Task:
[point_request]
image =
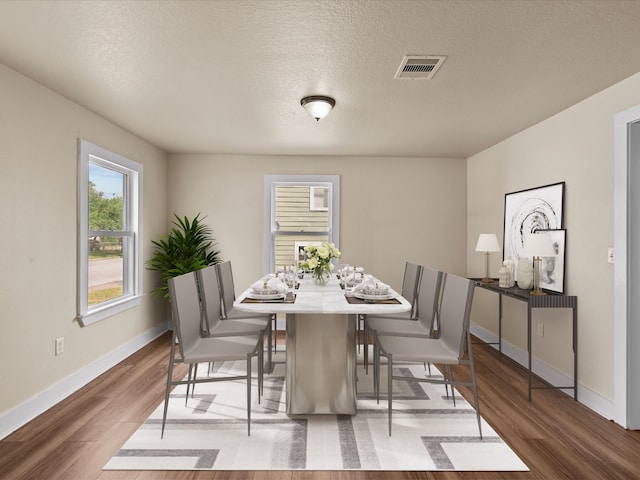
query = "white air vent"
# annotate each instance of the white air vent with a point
(420, 67)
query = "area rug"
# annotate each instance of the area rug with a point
(210, 432)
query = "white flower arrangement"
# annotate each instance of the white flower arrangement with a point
(319, 258)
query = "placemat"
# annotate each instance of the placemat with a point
(354, 300)
(276, 300)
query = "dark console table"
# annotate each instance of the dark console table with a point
(551, 300)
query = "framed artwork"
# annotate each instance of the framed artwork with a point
(552, 268)
(528, 211)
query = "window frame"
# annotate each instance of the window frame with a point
(88, 153)
(270, 182)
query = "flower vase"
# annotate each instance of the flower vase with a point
(321, 277)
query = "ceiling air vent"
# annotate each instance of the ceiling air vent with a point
(420, 67)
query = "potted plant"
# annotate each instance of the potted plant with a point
(187, 248)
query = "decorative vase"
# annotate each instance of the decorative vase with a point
(503, 277)
(322, 276)
(525, 274)
(508, 263)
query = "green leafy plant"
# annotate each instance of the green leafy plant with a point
(188, 247)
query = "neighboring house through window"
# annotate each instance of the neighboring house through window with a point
(319, 199)
(109, 233)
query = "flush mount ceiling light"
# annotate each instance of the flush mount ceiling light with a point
(318, 106)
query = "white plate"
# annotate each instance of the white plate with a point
(259, 296)
(364, 296)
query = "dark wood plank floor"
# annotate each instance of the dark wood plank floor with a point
(555, 436)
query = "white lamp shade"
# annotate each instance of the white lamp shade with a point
(487, 242)
(538, 245)
(318, 106)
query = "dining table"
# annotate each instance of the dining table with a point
(321, 322)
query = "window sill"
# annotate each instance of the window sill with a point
(109, 310)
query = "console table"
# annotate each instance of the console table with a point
(551, 300)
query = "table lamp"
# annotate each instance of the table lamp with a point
(487, 243)
(538, 245)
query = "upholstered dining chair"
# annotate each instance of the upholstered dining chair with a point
(228, 296)
(213, 326)
(428, 310)
(193, 348)
(410, 290)
(446, 350)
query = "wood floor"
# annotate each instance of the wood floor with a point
(556, 437)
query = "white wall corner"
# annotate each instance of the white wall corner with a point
(596, 402)
(18, 416)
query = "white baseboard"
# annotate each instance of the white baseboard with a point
(596, 402)
(18, 416)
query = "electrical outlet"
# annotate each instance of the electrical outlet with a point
(541, 329)
(610, 255)
(59, 346)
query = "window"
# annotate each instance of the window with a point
(299, 210)
(109, 233)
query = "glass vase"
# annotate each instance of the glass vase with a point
(321, 277)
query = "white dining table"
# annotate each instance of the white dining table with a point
(321, 346)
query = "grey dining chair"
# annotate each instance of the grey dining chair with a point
(213, 326)
(193, 349)
(428, 310)
(228, 296)
(447, 350)
(410, 290)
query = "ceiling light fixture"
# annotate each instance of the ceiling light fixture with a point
(318, 106)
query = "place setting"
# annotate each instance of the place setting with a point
(276, 287)
(366, 288)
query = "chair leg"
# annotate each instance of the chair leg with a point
(376, 368)
(358, 333)
(365, 347)
(474, 385)
(271, 340)
(189, 376)
(260, 369)
(193, 383)
(445, 377)
(390, 387)
(249, 355)
(453, 390)
(168, 389)
(275, 334)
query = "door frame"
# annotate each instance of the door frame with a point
(625, 397)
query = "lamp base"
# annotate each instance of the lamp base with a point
(487, 280)
(537, 291)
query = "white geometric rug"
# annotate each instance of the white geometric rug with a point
(210, 433)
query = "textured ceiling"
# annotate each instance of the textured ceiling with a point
(228, 76)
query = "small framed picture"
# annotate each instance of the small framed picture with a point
(552, 268)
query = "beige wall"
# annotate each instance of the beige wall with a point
(39, 131)
(392, 209)
(575, 146)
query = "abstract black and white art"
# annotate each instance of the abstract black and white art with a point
(528, 211)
